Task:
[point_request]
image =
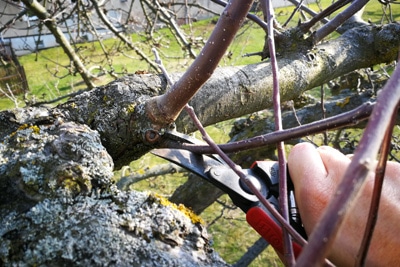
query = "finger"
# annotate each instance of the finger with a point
(335, 163)
(308, 174)
(304, 163)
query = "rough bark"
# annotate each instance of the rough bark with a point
(109, 229)
(59, 207)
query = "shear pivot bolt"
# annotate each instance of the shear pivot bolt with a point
(254, 181)
(216, 172)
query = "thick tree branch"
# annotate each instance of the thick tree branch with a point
(251, 86)
(117, 111)
(165, 109)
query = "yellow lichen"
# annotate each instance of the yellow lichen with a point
(185, 210)
(35, 129)
(131, 108)
(343, 103)
(141, 171)
(23, 127)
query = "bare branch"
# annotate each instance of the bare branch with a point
(349, 118)
(288, 253)
(121, 36)
(376, 194)
(161, 169)
(170, 21)
(12, 21)
(323, 236)
(41, 13)
(305, 27)
(166, 108)
(338, 20)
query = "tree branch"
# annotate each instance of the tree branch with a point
(361, 165)
(288, 254)
(165, 109)
(251, 86)
(121, 35)
(338, 20)
(117, 111)
(162, 169)
(50, 23)
(376, 194)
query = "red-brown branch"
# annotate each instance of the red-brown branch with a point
(376, 194)
(165, 109)
(322, 238)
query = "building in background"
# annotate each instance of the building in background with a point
(26, 34)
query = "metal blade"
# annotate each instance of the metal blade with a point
(174, 139)
(196, 163)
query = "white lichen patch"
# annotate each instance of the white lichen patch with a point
(108, 229)
(40, 160)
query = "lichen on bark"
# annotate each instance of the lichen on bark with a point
(38, 160)
(59, 207)
(111, 228)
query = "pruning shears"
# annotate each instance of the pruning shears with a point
(263, 174)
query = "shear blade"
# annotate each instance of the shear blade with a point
(196, 163)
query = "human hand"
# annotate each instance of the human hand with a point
(316, 174)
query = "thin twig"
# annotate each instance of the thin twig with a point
(323, 110)
(345, 119)
(161, 66)
(296, 9)
(120, 35)
(173, 25)
(306, 26)
(308, 10)
(54, 100)
(238, 170)
(10, 95)
(283, 194)
(376, 194)
(161, 169)
(338, 20)
(323, 236)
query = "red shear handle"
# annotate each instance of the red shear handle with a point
(269, 230)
